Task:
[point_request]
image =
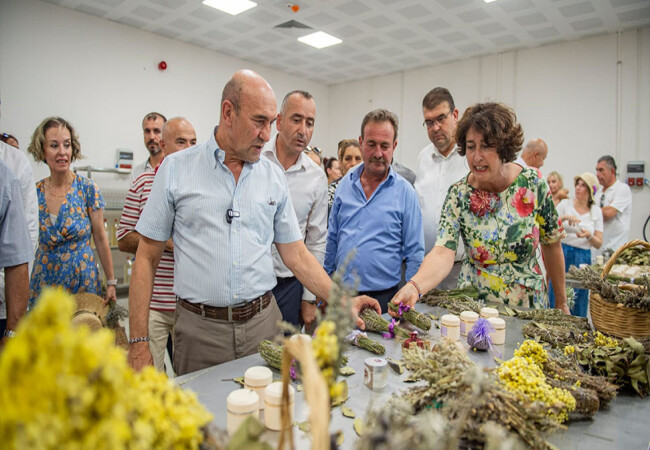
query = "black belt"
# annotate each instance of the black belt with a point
(238, 313)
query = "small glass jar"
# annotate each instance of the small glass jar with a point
(467, 321)
(272, 405)
(499, 334)
(240, 405)
(257, 378)
(488, 312)
(450, 327)
(375, 373)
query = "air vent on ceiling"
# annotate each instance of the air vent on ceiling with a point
(293, 24)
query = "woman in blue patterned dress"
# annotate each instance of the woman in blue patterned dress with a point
(503, 213)
(70, 209)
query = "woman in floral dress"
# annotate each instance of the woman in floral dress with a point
(70, 209)
(503, 213)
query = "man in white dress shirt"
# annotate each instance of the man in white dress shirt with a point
(439, 166)
(615, 199)
(308, 187)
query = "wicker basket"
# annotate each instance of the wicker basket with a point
(614, 318)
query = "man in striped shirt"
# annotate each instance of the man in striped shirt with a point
(177, 134)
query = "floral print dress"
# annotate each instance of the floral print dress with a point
(64, 257)
(502, 233)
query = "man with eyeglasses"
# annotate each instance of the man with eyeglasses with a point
(308, 187)
(615, 199)
(439, 166)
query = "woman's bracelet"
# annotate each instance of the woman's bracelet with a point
(111, 282)
(416, 287)
(140, 339)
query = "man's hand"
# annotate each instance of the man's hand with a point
(408, 295)
(111, 296)
(169, 245)
(139, 356)
(359, 304)
(308, 313)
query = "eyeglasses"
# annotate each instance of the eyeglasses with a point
(430, 123)
(316, 150)
(602, 201)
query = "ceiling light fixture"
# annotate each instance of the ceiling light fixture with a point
(319, 39)
(489, 1)
(232, 7)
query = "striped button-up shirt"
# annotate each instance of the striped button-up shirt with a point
(219, 263)
(163, 298)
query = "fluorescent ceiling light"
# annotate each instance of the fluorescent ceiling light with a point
(232, 7)
(320, 39)
(489, 1)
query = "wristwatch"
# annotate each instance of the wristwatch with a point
(9, 333)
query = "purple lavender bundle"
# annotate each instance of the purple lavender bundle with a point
(478, 337)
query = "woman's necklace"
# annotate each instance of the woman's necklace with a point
(57, 195)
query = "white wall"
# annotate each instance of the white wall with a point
(103, 77)
(574, 95)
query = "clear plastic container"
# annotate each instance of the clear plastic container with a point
(375, 373)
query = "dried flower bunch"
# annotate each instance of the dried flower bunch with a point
(609, 292)
(455, 300)
(67, 387)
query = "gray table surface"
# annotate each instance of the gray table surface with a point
(625, 424)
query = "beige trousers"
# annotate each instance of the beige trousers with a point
(201, 342)
(161, 324)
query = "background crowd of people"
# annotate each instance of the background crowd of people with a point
(475, 212)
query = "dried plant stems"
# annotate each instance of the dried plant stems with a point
(411, 315)
(374, 322)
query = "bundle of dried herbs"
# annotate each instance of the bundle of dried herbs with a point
(455, 300)
(375, 322)
(411, 315)
(635, 298)
(452, 383)
(555, 317)
(634, 256)
(556, 335)
(361, 340)
(271, 353)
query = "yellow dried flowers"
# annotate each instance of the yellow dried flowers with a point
(523, 376)
(66, 387)
(326, 350)
(604, 341)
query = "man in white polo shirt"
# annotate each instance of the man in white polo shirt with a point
(615, 199)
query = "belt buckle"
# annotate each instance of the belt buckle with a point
(229, 313)
(202, 308)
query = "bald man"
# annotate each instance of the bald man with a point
(533, 154)
(177, 134)
(224, 208)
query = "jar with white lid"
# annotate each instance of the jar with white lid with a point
(272, 405)
(240, 405)
(488, 312)
(499, 334)
(467, 321)
(450, 327)
(303, 337)
(375, 373)
(257, 378)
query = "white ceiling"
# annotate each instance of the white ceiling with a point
(379, 36)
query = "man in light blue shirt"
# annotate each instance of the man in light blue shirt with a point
(376, 213)
(223, 207)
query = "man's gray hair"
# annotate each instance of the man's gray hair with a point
(609, 161)
(306, 95)
(379, 116)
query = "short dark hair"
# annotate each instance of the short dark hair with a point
(436, 96)
(327, 163)
(498, 125)
(306, 95)
(609, 161)
(153, 115)
(381, 115)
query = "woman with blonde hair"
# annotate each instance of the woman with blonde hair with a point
(70, 210)
(556, 186)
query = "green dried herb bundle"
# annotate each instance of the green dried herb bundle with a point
(115, 314)
(411, 315)
(362, 341)
(556, 317)
(375, 322)
(455, 300)
(634, 256)
(556, 335)
(271, 353)
(452, 383)
(636, 298)
(587, 403)
(623, 362)
(572, 375)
